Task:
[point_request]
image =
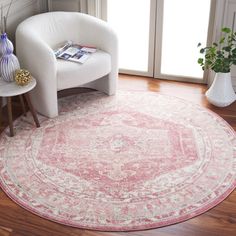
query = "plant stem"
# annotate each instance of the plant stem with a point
(8, 10)
(2, 19)
(6, 17)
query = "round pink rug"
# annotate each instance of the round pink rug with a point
(127, 162)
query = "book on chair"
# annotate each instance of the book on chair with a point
(74, 52)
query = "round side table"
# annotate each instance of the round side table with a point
(11, 89)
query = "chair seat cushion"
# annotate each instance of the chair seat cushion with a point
(72, 74)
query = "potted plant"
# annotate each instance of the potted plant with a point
(220, 57)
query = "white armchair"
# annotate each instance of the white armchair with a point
(36, 38)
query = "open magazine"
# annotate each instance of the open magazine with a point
(74, 52)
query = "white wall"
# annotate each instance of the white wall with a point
(229, 20)
(20, 10)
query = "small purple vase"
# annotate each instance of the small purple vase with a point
(8, 62)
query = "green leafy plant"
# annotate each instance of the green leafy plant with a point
(220, 56)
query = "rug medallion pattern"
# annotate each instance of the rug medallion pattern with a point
(126, 162)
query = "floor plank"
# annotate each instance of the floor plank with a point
(219, 221)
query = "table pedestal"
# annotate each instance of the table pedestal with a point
(9, 111)
(9, 90)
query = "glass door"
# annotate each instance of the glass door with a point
(159, 38)
(134, 22)
(181, 24)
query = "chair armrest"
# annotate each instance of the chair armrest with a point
(98, 33)
(35, 55)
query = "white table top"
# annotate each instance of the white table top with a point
(9, 89)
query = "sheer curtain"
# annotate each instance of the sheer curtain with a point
(95, 7)
(68, 5)
(91, 7)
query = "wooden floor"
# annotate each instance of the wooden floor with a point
(220, 221)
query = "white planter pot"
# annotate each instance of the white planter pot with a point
(221, 92)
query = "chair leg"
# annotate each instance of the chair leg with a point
(22, 104)
(10, 120)
(27, 97)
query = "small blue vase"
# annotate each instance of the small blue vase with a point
(8, 62)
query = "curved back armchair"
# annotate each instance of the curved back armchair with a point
(36, 38)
